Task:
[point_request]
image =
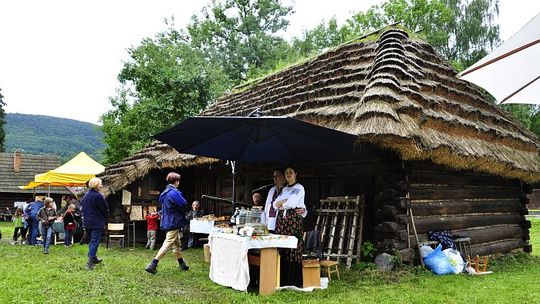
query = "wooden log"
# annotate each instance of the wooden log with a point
(452, 179)
(438, 193)
(381, 200)
(527, 248)
(341, 199)
(450, 207)
(524, 199)
(425, 224)
(503, 246)
(388, 213)
(403, 186)
(398, 235)
(403, 218)
(527, 188)
(526, 224)
(482, 234)
(389, 227)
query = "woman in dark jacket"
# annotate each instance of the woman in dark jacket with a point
(95, 211)
(47, 216)
(174, 207)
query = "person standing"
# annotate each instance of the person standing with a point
(289, 222)
(70, 224)
(270, 213)
(95, 212)
(152, 226)
(32, 211)
(18, 224)
(47, 216)
(194, 213)
(174, 207)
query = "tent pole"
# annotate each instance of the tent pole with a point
(49, 191)
(233, 163)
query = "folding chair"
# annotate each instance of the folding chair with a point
(115, 231)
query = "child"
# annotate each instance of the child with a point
(69, 225)
(19, 226)
(152, 225)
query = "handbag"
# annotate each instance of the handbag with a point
(58, 226)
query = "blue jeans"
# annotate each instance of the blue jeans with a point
(95, 238)
(46, 234)
(34, 224)
(68, 235)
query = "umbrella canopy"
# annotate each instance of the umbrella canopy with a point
(75, 172)
(257, 139)
(511, 73)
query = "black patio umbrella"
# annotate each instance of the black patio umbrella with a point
(257, 140)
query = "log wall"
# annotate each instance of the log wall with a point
(488, 209)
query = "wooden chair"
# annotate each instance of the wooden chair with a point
(329, 267)
(326, 265)
(479, 263)
(115, 231)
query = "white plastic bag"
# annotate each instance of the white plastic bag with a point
(455, 260)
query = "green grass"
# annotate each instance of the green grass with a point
(28, 276)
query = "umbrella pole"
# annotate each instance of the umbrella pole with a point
(233, 163)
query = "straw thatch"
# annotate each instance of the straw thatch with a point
(393, 91)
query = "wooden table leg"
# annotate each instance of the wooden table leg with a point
(269, 271)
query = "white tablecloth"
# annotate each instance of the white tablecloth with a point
(201, 226)
(229, 264)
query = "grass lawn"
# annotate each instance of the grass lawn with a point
(28, 276)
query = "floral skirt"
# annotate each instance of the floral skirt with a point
(291, 225)
(291, 263)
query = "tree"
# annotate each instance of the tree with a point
(463, 31)
(2, 123)
(165, 81)
(241, 35)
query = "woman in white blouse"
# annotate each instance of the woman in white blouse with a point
(289, 222)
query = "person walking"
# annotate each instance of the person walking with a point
(32, 211)
(174, 208)
(47, 216)
(95, 212)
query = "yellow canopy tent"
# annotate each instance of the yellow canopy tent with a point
(75, 172)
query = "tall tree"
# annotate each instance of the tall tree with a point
(165, 81)
(463, 31)
(2, 123)
(241, 35)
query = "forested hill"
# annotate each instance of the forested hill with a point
(38, 134)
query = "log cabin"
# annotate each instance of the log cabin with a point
(427, 142)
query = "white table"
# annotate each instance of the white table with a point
(229, 264)
(201, 226)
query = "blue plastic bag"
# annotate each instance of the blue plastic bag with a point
(438, 262)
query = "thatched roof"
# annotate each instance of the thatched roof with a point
(393, 91)
(30, 165)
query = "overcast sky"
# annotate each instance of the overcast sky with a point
(61, 57)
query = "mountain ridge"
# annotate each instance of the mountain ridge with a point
(41, 134)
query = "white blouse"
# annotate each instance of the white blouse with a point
(294, 196)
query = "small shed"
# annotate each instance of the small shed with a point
(425, 139)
